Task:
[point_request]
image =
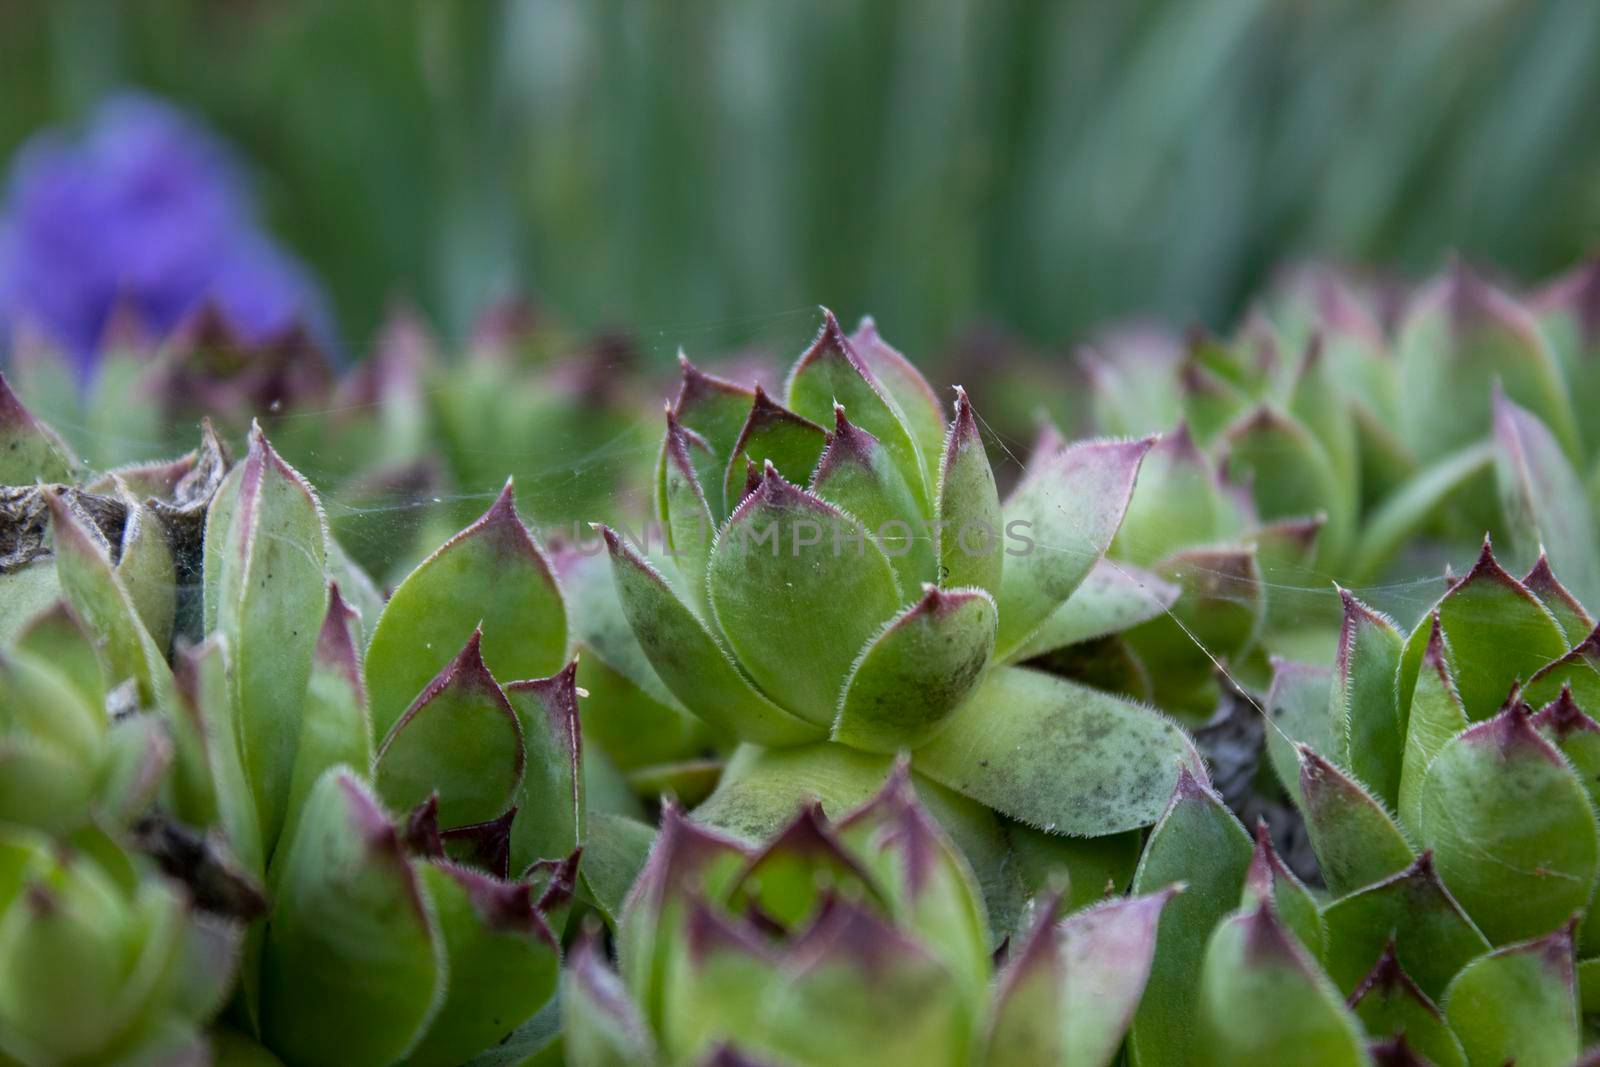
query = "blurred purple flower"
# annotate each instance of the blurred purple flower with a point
(149, 209)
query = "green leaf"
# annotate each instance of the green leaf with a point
(1027, 1024)
(138, 758)
(601, 1025)
(1297, 714)
(492, 575)
(1542, 498)
(1497, 632)
(1199, 844)
(772, 434)
(1176, 503)
(1058, 755)
(715, 411)
(1269, 881)
(1578, 670)
(1094, 869)
(1355, 839)
(1519, 1004)
(1133, 380)
(55, 636)
(334, 728)
(928, 886)
(781, 567)
(971, 551)
(1215, 619)
(1389, 1003)
(797, 869)
(1436, 716)
(900, 380)
(1209, 402)
(1576, 735)
(1064, 514)
(1320, 401)
(690, 526)
(1460, 337)
(44, 788)
(1433, 937)
(1576, 623)
(94, 591)
(856, 971)
(1290, 475)
(690, 662)
(857, 475)
(29, 450)
(39, 704)
(360, 592)
(1113, 598)
(1295, 1015)
(1071, 987)
(1286, 555)
(74, 937)
(1109, 951)
(1511, 827)
(145, 565)
(1363, 699)
(550, 799)
(501, 957)
(629, 713)
(686, 860)
(461, 739)
(1413, 504)
(913, 675)
(1386, 462)
(614, 852)
(353, 970)
(206, 697)
(720, 973)
(1589, 985)
(229, 1048)
(761, 789)
(265, 576)
(689, 781)
(831, 372)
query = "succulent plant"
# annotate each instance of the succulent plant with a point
(103, 959)
(407, 445)
(196, 811)
(847, 941)
(845, 583)
(1455, 831)
(1329, 442)
(253, 811)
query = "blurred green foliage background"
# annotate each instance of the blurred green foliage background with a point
(700, 170)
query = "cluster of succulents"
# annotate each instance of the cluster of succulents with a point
(406, 445)
(279, 817)
(846, 941)
(839, 754)
(1351, 433)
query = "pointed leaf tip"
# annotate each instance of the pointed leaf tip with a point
(335, 644)
(1563, 718)
(492, 577)
(460, 736)
(422, 836)
(1394, 1052)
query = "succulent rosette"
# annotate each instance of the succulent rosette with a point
(407, 445)
(203, 799)
(1446, 778)
(845, 583)
(1334, 437)
(846, 941)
